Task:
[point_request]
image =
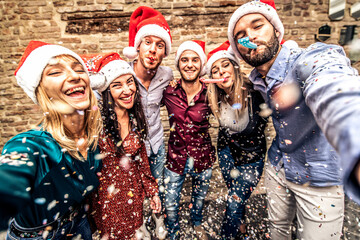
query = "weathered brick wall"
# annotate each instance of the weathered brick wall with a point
(90, 26)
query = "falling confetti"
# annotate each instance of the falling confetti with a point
(51, 205)
(234, 173)
(191, 162)
(80, 142)
(40, 201)
(125, 162)
(286, 96)
(236, 106)
(80, 112)
(265, 110)
(99, 156)
(167, 180)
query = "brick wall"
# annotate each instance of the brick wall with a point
(90, 26)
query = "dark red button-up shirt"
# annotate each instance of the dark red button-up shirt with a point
(189, 130)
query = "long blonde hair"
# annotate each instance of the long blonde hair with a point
(52, 123)
(239, 89)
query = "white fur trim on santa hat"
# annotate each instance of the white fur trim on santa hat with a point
(190, 45)
(216, 56)
(254, 7)
(148, 30)
(29, 75)
(112, 71)
(290, 44)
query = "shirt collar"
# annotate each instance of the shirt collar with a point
(203, 86)
(277, 71)
(279, 68)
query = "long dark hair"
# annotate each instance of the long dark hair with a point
(137, 117)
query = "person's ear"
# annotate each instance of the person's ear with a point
(138, 47)
(277, 33)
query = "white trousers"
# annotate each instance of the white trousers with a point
(319, 210)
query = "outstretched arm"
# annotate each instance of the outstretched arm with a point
(17, 171)
(332, 91)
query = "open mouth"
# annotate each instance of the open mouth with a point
(151, 59)
(75, 91)
(127, 99)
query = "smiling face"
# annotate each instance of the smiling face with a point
(65, 80)
(151, 52)
(260, 31)
(223, 68)
(189, 66)
(123, 90)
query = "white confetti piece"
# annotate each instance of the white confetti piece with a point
(40, 201)
(51, 205)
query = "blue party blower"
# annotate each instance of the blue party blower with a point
(246, 43)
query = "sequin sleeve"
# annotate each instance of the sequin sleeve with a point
(17, 174)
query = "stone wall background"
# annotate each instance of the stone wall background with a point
(91, 26)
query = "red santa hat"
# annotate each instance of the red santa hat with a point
(266, 8)
(223, 51)
(36, 57)
(146, 21)
(198, 47)
(105, 68)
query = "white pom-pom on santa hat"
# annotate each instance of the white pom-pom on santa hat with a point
(130, 52)
(290, 44)
(97, 81)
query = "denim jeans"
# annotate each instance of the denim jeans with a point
(157, 163)
(241, 181)
(79, 226)
(200, 186)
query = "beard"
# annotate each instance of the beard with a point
(271, 49)
(186, 79)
